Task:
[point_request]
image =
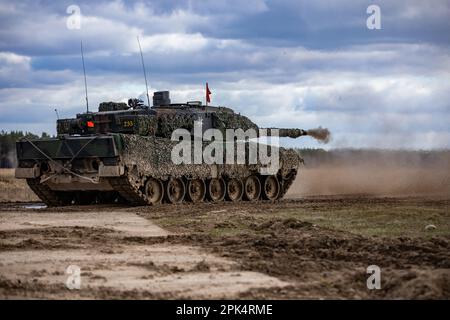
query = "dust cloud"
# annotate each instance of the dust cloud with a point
(378, 173)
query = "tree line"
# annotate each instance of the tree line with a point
(8, 146)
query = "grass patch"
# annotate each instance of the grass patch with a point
(382, 217)
(379, 220)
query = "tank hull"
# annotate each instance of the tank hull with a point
(139, 170)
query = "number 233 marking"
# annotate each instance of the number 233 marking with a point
(127, 123)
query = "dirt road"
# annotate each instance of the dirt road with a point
(312, 248)
(37, 247)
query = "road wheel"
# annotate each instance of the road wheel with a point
(216, 189)
(196, 190)
(252, 188)
(235, 190)
(271, 188)
(175, 190)
(154, 190)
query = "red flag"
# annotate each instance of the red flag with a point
(208, 99)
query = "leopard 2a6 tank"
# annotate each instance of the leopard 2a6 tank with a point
(124, 152)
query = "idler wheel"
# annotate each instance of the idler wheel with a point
(196, 190)
(175, 190)
(235, 189)
(216, 189)
(271, 188)
(252, 188)
(154, 191)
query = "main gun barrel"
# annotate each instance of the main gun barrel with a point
(291, 133)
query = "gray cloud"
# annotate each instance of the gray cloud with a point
(284, 63)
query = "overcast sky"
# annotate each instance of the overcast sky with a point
(287, 63)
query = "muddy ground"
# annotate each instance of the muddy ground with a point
(336, 221)
(315, 247)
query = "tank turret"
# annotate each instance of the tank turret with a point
(161, 119)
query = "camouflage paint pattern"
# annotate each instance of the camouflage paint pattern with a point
(152, 156)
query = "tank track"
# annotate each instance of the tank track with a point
(126, 190)
(287, 182)
(48, 196)
(132, 194)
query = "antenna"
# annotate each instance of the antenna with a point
(57, 114)
(85, 82)
(143, 68)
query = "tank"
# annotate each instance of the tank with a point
(125, 152)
